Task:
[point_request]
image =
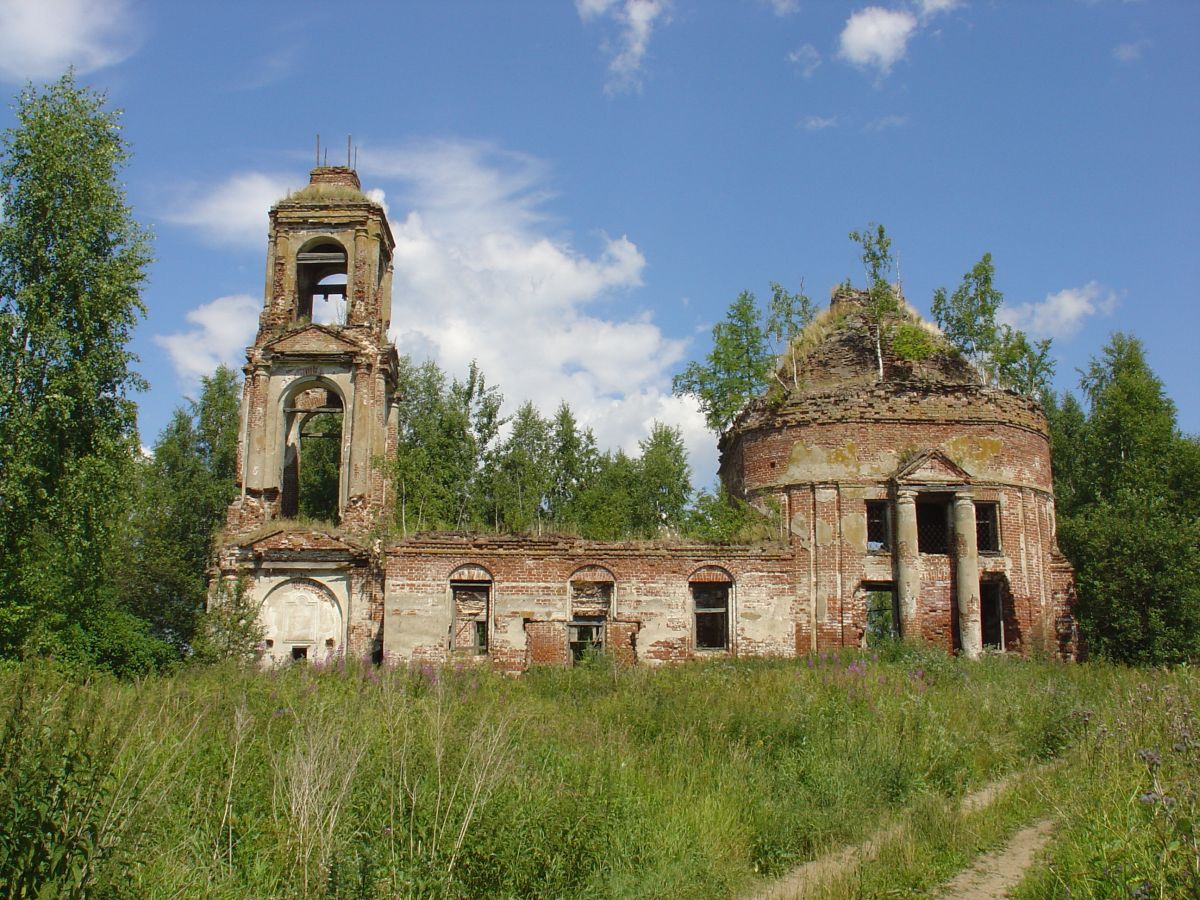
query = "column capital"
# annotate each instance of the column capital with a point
(964, 497)
(906, 495)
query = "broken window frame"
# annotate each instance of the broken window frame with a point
(934, 536)
(477, 625)
(586, 636)
(711, 612)
(591, 606)
(879, 526)
(987, 526)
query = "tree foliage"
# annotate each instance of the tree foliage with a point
(72, 263)
(736, 368)
(1004, 354)
(458, 467)
(183, 492)
(1128, 487)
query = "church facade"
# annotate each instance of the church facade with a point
(912, 499)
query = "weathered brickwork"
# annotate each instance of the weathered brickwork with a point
(918, 503)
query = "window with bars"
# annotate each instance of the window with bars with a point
(987, 527)
(933, 526)
(879, 526)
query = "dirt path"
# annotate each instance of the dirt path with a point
(994, 875)
(805, 878)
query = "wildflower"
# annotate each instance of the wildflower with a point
(1150, 757)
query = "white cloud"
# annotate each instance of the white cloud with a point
(223, 329)
(931, 8)
(819, 123)
(783, 7)
(1131, 52)
(481, 273)
(234, 211)
(885, 122)
(39, 39)
(636, 20)
(876, 37)
(1061, 314)
(806, 58)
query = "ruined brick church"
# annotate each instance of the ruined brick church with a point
(912, 499)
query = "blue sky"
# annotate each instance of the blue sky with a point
(579, 189)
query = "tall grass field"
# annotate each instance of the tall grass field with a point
(701, 780)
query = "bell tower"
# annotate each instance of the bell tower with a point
(317, 415)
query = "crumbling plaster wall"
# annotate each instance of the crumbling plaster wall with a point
(833, 454)
(651, 618)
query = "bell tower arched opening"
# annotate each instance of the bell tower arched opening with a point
(321, 276)
(312, 463)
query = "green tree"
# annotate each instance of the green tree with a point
(968, 316)
(72, 263)
(520, 475)
(1020, 364)
(1129, 481)
(575, 461)
(445, 431)
(1004, 354)
(606, 507)
(320, 466)
(183, 492)
(720, 518)
(789, 315)
(663, 483)
(883, 303)
(735, 370)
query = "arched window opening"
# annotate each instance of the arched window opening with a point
(313, 456)
(591, 591)
(471, 589)
(710, 588)
(321, 284)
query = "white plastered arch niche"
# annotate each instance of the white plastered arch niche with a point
(303, 618)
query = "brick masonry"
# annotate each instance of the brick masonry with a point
(818, 453)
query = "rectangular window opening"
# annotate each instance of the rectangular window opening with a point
(471, 608)
(883, 614)
(991, 613)
(585, 636)
(879, 526)
(933, 526)
(299, 653)
(711, 602)
(987, 527)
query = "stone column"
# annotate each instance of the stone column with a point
(908, 564)
(966, 573)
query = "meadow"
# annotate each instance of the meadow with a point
(700, 780)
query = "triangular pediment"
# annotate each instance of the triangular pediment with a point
(287, 540)
(312, 340)
(931, 467)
